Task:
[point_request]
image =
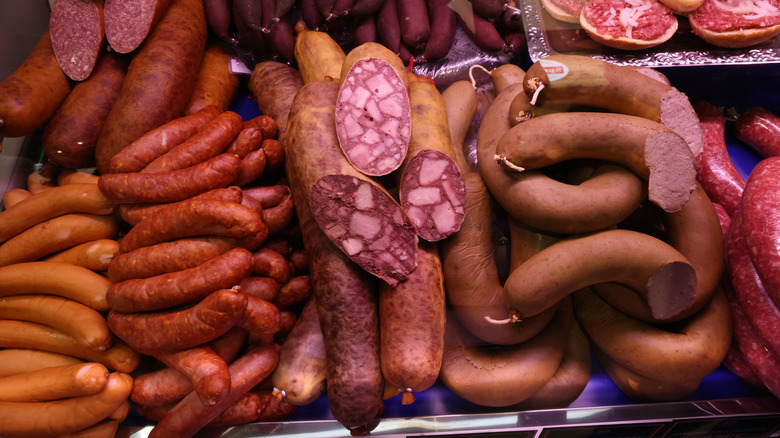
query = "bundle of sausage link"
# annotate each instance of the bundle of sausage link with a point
(747, 210)
(206, 280)
(62, 371)
(419, 30)
(602, 206)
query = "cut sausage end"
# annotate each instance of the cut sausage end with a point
(678, 114)
(671, 289)
(672, 170)
(77, 36)
(367, 225)
(373, 117)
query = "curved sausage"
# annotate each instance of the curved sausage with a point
(216, 84)
(95, 255)
(759, 128)
(62, 279)
(133, 213)
(24, 360)
(54, 383)
(318, 56)
(273, 86)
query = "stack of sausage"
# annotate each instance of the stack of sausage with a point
(62, 370)
(202, 281)
(748, 216)
(602, 206)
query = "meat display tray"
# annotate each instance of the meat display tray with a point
(548, 36)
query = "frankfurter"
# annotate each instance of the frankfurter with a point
(160, 140)
(64, 416)
(57, 234)
(86, 325)
(693, 350)
(606, 85)
(411, 354)
(344, 292)
(23, 334)
(103, 429)
(431, 189)
(13, 196)
(193, 217)
(48, 204)
(299, 377)
(177, 329)
(154, 93)
(651, 150)
(32, 93)
(207, 143)
(43, 179)
(61, 279)
(23, 360)
(54, 383)
(610, 196)
(507, 375)
(71, 135)
(190, 415)
(216, 84)
(181, 287)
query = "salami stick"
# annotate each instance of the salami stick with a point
(77, 35)
(345, 294)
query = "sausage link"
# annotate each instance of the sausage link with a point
(178, 329)
(216, 84)
(204, 368)
(269, 263)
(265, 288)
(134, 213)
(297, 290)
(54, 383)
(274, 85)
(759, 128)
(62, 279)
(95, 255)
(260, 317)
(24, 360)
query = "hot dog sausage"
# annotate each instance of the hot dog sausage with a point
(86, 325)
(23, 334)
(33, 92)
(54, 383)
(24, 360)
(95, 255)
(180, 328)
(154, 93)
(62, 279)
(181, 287)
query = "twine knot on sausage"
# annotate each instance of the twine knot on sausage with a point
(502, 159)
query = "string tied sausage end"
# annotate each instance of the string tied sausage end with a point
(502, 159)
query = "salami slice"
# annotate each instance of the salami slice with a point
(366, 224)
(77, 35)
(373, 120)
(128, 22)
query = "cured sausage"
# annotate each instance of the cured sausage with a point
(194, 217)
(154, 92)
(344, 292)
(299, 377)
(507, 375)
(759, 128)
(693, 350)
(760, 220)
(253, 165)
(248, 140)
(265, 123)
(651, 150)
(265, 288)
(48, 204)
(86, 325)
(160, 140)
(207, 143)
(620, 89)
(411, 354)
(414, 23)
(71, 135)
(23, 334)
(373, 117)
(77, 36)
(260, 318)
(181, 287)
(269, 263)
(663, 275)
(54, 383)
(216, 84)
(180, 328)
(716, 172)
(294, 292)
(190, 415)
(128, 23)
(64, 416)
(274, 85)
(32, 93)
(431, 189)
(177, 255)
(134, 213)
(52, 278)
(533, 198)
(755, 301)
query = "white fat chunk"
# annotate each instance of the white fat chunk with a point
(352, 127)
(390, 127)
(431, 171)
(443, 217)
(364, 197)
(371, 137)
(424, 196)
(360, 97)
(449, 191)
(391, 107)
(379, 86)
(373, 110)
(417, 216)
(364, 225)
(352, 246)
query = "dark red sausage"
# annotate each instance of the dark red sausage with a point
(414, 22)
(179, 329)
(274, 85)
(716, 172)
(482, 32)
(133, 213)
(248, 140)
(388, 26)
(181, 287)
(129, 22)
(294, 292)
(203, 367)
(269, 263)
(190, 415)
(253, 165)
(444, 21)
(155, 92)
(260, 317)
(71, 135)
(265, 288)
(759, 128)
(77, 48)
